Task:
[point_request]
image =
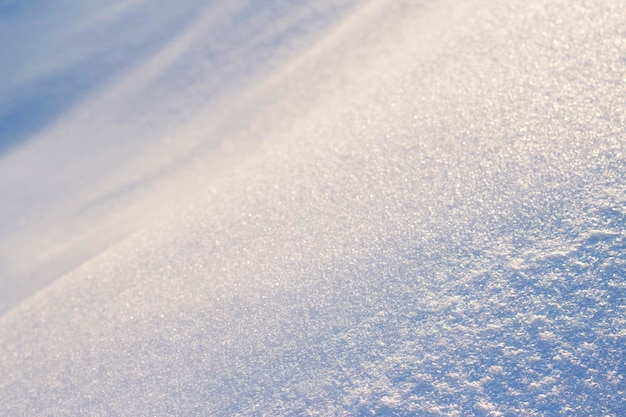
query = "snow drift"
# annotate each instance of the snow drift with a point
(417, 209)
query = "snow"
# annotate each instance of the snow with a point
(405, 209)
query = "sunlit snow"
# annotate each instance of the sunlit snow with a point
(390, 208)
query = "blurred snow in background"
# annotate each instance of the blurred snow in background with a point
(101, 100)
(326, 208)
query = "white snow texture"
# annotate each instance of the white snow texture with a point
(350, 208)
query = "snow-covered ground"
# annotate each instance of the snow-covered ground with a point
(327, 208)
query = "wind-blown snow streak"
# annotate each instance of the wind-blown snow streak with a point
(433, 223)
(107, 100)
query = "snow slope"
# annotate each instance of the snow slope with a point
(421, 211)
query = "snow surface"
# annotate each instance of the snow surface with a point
(383, 208)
